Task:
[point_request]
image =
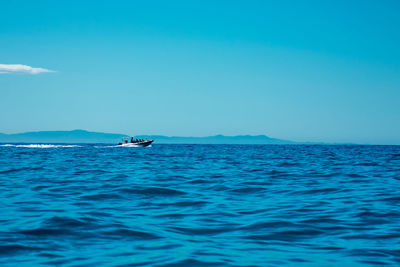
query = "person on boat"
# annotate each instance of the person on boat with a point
(131, 139)
(126, 141)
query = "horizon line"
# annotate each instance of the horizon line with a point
(216, 135)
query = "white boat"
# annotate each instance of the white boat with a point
(135, 143)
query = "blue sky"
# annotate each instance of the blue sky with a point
(299, 70)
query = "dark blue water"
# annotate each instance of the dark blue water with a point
(200, 205)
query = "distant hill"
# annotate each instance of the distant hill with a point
(75, 136)
(82, 136)
(217, 139)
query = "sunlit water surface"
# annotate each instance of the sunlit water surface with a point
(200, 205)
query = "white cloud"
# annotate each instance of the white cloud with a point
(19, 68)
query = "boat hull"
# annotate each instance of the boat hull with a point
(137, 144)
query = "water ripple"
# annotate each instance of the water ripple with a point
(199, 205)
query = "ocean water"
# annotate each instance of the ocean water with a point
(199, 205)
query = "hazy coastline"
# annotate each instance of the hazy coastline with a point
(82, 136)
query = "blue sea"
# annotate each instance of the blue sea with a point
(200, 205)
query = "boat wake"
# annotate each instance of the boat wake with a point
(39, 146)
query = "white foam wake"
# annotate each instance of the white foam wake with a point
(39, 146)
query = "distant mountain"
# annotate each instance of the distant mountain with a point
(75, 136)
(82, 136)
(217, 139)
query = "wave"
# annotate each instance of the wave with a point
(15, 248)
(225, 205)
(152, 191)
(39, 146)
